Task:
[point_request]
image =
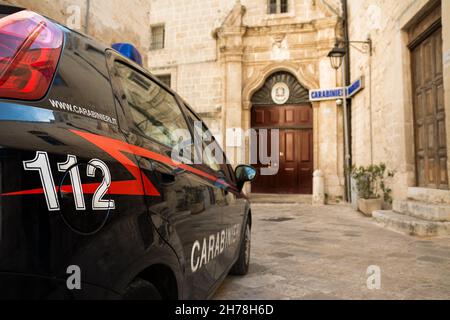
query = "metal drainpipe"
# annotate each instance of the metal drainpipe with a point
(88, 9)
(348, 133)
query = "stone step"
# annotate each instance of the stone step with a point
(424, 211)
(280, 198)
(411, 225)
(429, 195)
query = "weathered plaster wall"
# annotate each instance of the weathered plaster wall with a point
(382, 121)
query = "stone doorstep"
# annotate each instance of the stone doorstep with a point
(411, 225)
(429, 195)
(421, 210)
(280, 198)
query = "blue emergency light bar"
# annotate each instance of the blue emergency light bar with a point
(129, 51)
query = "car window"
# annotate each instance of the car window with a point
(154, 110)
(230, 173)
(212, 160)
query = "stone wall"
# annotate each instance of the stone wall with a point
(382, 121)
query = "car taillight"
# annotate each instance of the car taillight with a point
(30, 47)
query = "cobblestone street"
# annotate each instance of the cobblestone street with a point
(301, 252)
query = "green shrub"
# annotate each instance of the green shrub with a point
(371, 182)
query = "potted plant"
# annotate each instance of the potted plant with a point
(371, 186)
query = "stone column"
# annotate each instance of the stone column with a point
(233, 97)
(318, 189)
(230, 42)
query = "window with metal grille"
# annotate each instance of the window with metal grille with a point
(166, 79)
(272, 6)
(157, 37)
(284, 7)
(278, 6)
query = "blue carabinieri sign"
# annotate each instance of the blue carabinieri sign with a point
(326, 94)
(355, 87)
(336, 93)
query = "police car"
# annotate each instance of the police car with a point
(93, 204)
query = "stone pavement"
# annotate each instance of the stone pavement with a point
(301, 252)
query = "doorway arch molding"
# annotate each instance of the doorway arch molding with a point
(259, 78)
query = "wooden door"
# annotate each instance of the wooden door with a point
(295, 163)
(429, 111)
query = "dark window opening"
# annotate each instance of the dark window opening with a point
(284, 6)
(272, 6)
(278, 6)
(166, 79)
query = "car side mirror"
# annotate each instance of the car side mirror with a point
(245, 174)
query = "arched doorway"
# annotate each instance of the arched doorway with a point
(283, 104)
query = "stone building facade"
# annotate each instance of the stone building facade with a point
(220, 54)
(402, 117)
